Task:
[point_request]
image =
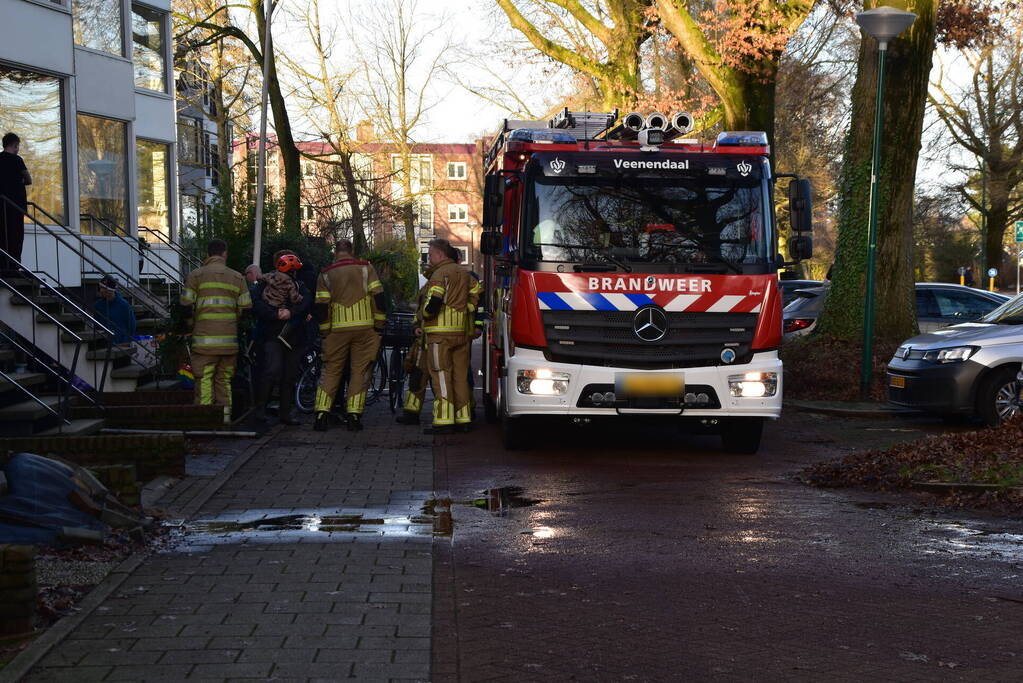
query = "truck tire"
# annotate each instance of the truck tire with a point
(998, 396)
(515, 435)
(490, 409)
(742, 435)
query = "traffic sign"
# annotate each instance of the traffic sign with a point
(1019, 231)
(992, 272)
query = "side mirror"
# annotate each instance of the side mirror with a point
(801, 205)
(490, 242)
(493, 201)
(801, 246)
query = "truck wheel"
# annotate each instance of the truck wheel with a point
(490, 409)
(998, 397)
(515, 434)
(742, 435)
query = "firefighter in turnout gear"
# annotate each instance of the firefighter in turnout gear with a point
(447, 323)
(219, 296)
(416, 366)
(350, 306)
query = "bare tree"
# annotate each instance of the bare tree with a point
(985, 118)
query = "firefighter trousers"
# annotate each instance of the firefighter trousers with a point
(213, 378)
(448, 357)
(361, 347)
(418, 376)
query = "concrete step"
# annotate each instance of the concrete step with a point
(116, 352)
(42, 301)
(133, 371)
(169, 384)
(83, 427)
(7, 355)
(29, 411)
(25, 379)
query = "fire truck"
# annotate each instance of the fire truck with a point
(632, 271)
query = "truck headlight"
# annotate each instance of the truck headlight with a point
(542, 382)
(753, 385)
(953, 354)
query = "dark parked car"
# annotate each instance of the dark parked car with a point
(790, 287)
(938, 305)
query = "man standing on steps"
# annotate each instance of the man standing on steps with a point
(350, 306)
(446, 313)
(14, 178)
(220, 295)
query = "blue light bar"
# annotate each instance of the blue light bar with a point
(742, 138)
(559, 137)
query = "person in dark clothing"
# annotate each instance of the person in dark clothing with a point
(14, 179)
(113, 311)
(282, 341)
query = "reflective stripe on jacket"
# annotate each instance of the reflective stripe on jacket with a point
(451, 283)
(348, 287)
(219, 295)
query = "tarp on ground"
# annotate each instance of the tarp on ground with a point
(38, 504)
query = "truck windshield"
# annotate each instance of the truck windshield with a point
(648, 220)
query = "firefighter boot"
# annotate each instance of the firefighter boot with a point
(407, 417)
(322, 422)
(354, 422)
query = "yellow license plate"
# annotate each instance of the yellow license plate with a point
(897, 382)
(651, 385)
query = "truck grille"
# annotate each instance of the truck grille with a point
(607, 338)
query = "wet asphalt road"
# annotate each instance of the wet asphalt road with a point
(654, 556)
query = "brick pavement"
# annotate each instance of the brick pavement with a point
(313, 599)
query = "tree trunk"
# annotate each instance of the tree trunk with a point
(997, 220)
(749, 101)
(909, 65)
(354, 207)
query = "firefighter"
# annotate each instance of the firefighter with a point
(350, 305)
(416, 366)
(219, 296)
(446, 324)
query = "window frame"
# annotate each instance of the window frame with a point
(123, 54)
(167, 55)
(171, 200)
(464, 166)
(459, 208)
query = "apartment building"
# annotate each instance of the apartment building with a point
(87, 85)
(444, 182)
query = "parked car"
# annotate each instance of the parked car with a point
(969, 369)
(790, 287)
(938, 305)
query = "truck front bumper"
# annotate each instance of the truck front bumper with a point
(584, 380)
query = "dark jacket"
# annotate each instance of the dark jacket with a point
(268, 327)
(118, 315)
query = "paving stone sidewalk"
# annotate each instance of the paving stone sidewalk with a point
(313, 562)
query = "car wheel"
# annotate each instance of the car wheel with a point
(742, 435)
(515, 434)
(998, 397)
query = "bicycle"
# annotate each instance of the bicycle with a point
(382, 373)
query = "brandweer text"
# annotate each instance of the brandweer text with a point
(635, 284)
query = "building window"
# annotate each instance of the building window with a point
(147, 48)
(310, 214)
(97, 25)
(188, 141)
(307, 169)
(153, 162)
(458, 213)
(32, 109)
(456, 170)
(103, 172)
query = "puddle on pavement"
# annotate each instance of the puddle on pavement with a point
(501, 501)
(960, 539)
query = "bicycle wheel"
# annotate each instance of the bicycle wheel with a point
(378, 377)
(305, 388)
(396, 378)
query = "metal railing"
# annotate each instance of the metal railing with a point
(170, 273)
(191, 259)
(151, 304)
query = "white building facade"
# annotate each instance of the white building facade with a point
(88, 87)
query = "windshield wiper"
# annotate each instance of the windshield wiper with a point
(611, 259)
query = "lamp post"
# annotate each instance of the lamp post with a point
(883, 24)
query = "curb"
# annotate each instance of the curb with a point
(22, 664)
(827, 409)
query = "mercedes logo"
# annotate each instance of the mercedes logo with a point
(650, 324)
(906, 352)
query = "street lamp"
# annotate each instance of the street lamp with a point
(883, 23)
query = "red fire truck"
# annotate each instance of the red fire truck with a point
(632, 271)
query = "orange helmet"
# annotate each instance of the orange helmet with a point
(288, 263)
